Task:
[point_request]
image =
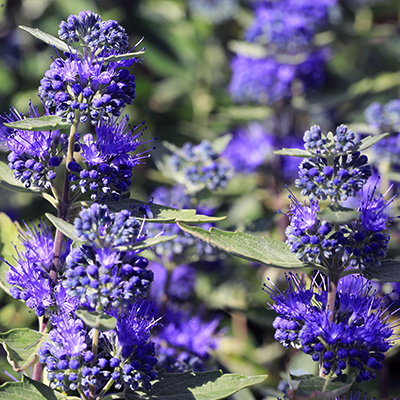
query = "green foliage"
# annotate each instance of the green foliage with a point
(29, 389)
(21, 345)
(8, 237)
(310, 387)
(46, 123)
(163, 214)
(212, 385)
(253, 248)
(337, 214)
(99, 320)
(386, 271)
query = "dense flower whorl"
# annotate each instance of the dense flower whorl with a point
(198, 167)
(99, 273)
(358, 336)
(88, 87)
(94, 33)
(259, 145)
(272, 80)
(184, 341)
(109, 160)
(125, 355)
(34, 155)
(29, 277)
(341, 177)
(288, 24)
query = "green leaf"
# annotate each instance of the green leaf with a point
(65, 227)
(121, 57)
(162, 214)
(149, 242)
(212, 385)
(47, 38)
(387, 271)
(295, 153)
(8, 235)
(253, 248)
(8, 181)
(21, 345)
(219, 144)
(98, 320)
(28, 389)
(310, 387)
(46, 123)
(369, 141)
(336, 214)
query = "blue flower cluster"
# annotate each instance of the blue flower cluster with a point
(108, 159)
(185, 341)
(198, 167)
(386, 118)
(280, 53)
(341, 178)
(288, 24)
(90, 85)
(98, 272)
(29, 276)
(124, 355)
(272, 79)
(357, 337)
(88, 28)
(257, 142)
(33, 155)
(359, 244)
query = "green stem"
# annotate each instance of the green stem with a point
(64, 205)
(81, 392)
(95, 348)
(106, 388)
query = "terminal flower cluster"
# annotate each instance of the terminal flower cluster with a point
(358, 335)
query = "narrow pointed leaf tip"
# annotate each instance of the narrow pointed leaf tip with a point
(258, 249)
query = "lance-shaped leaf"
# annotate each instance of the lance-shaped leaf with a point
(8, 181)
(309, 387)
(146, 243)
(336, 214)
(259, 249)
(47, 38)
(212, 385)
(122, 57)
(8, 235)
(162, 214)
(295, 153)
(21, 345)
(369, 141)
(65, 227)
(28, 389)
(45, 123)
(360, 146)
(98, 320)
(386, 271)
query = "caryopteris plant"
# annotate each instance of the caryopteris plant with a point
(87, 282)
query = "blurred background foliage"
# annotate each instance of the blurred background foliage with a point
(182, 95)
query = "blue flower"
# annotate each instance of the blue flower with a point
(34, 155)
(88, 87)
(109, 160)
(288, 24)
(271, 80)
(197, 167)
(258, 143)
(184, 341)
(358, 335)
(101, 274)
(94, 33)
